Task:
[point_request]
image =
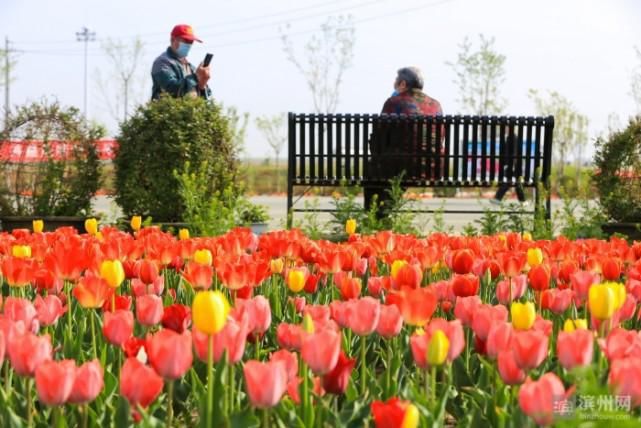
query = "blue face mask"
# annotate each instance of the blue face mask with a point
(183, 49)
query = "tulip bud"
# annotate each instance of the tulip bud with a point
(438, 348)
(350, 226)
(203, 257)
(21, 251)
(38, 226)
(602, 301)
(570, 325)
(534, 256)
(276, 265)
(527, 236)
(396, 266)
(209, 311)
(411, 418)
(136, 222)
(183, 234)
(296, 280)
(112, 272)
(91, 226)
(308, 324)
(523, 315)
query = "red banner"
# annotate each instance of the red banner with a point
(33, 151)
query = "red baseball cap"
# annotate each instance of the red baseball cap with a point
(184, 32)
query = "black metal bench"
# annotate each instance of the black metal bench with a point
(434, 151)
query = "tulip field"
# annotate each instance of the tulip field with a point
(107, 328)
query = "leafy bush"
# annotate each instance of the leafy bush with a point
(162, 137)
(618, 173)
(65, 182)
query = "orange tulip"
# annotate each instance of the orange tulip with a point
(92, 291)
(416, 305)
(18, 271)
(198, 275)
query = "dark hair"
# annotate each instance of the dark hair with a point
(412, 76)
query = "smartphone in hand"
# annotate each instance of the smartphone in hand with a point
(207, 59)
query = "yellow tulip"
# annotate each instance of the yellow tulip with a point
(523, 315)
(183, 234)
(21, 251)
(308, 324)
(136, 222)
(209, 311)
(396, 266)
(276, 265)
(602, 301)
(38, 226)
(91, 226)
(438, 348)
(619, 293)
(350, 226)
(296, 280)
(112, 272)
(527, 236)
(534, 256)
(203, 257)
(578, 324)
(411, 418)
(98, 236)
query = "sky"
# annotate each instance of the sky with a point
(583, 49)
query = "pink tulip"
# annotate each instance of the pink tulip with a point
(625, 378)
(320, 350)
(575, 348)
(363, 315)
(231, 339)
(454, 332)
(19, 309)
(49, 309)
(390, 322)
(88, 383)
(510, 373)
(149, 309)
(266, 382)
(54, 380)
(530, 347)
(540, 399)
(170, 353)
(118, 326)
(485, 316)
(28, 351)
(465, 308)
(499, 339)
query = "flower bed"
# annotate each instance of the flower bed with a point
(110, 328)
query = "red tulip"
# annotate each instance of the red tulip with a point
(542, 399)
(462, 261)
(289, 359)
(575, 349)
(390, 322)
(409, 275)
(320, 350)
(49, 309)
(54, 380)
(499, 339)
(394, 413)
(18, 272)
(350, 288)
(611, 268)
(530, 348)
(625, 379)
(146, 271)
(539, 277)
(266, 382)
(28, 351)
(88, 383)
(176, 317)
(149, 309)
(117, 303)
(231, 339)
(170, 353)
(465, 285)
(486, 315)
(363, 315)
(200, 276)
(510, 373)
(336, 381)
(465, 309)
(512, 263)
(19, 309)
(45, 280)
(118, 326)
(139, 384)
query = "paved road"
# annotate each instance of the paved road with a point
(276, 207)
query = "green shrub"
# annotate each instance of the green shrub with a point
(162, 137)
(618, 173)
(59, 186)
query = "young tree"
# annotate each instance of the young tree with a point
(570, 126)
(274, 132)
(7, 64)
(116, 86)
(327, 56)
(635, 86)
(479, 73)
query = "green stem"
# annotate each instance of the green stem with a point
(69, 307)
(29, 404)
(210, 380)
(257, 348)
(388, 374)
(363, 366)
(7, 380)
(85, 415)
(57, 412)
(232, 387)
(266, 418)
(305, 396)
(427, 382)
(93, 333)
(433, 385)
(170, 403)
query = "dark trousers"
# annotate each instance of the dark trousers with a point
(503, 188)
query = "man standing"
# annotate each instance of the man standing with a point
(173, 74)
